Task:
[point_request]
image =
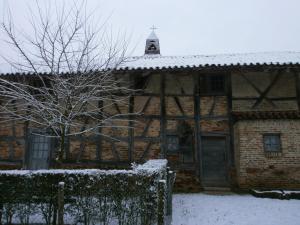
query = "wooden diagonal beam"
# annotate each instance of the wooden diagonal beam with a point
(146, 151)
(256, 89)
(179, 105)
(145, 131)
(266, 91)
(116, 105)
(117, 108)
(212, 106)
(146, 104)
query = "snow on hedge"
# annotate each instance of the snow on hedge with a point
(150, 167)
(126, 196)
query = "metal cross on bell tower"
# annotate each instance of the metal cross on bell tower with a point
(153, 28)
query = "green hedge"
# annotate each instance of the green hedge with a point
(90, 196)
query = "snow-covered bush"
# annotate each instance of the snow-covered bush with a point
(90, 196)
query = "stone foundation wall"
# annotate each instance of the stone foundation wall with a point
(259, 169)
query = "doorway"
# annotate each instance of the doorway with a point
(214, 162)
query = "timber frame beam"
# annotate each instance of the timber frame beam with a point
(297, 84)
(197, 117)
(230, 119)
(259, 99)
(163, 116)
(263, 94)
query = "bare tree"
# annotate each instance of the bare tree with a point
(69, 71)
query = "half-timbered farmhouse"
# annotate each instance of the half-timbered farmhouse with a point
(228, 120)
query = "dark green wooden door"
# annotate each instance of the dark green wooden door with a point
(214, 172)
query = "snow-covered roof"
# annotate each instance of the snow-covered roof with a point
(157, 61)
(221, 60)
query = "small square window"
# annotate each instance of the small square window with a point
(272, 142)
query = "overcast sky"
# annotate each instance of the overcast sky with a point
(188, 27)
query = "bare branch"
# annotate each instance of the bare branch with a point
(72, 67)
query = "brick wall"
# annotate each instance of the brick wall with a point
(255, 168)
(12, 142)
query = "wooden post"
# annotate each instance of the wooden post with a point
(131, 118)
(27, 147)
(230, 119)
(296, 75)
(130, 129)
(162, 116)
(161, 203)
(60, 203)
(168, 190)
(67, 145)
(230, 145)
(197, 116)
(170, 182)
(99, 137)
(1, 211)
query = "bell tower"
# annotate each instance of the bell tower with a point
(152, 43)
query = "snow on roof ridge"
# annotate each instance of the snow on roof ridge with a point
(214, 55)
(157, 61)
(233, 59)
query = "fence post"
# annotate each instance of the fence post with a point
(1, 210)
(170, 183)
(161, 202)
(60, 198)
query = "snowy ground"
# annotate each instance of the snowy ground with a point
(204, 209)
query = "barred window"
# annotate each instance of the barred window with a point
(217, 83)
(272, 142)
(212, 84)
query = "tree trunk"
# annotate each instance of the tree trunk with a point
(62, 145)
